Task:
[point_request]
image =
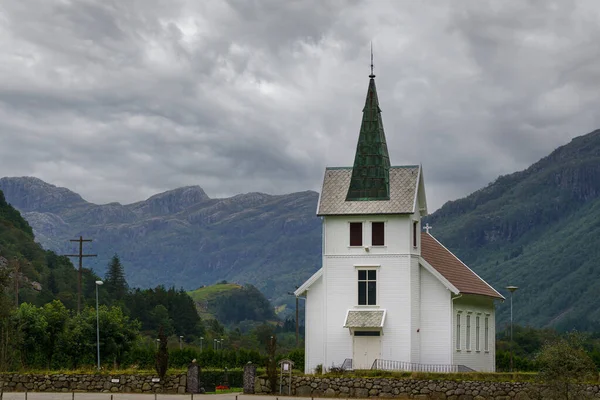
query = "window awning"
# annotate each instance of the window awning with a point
(365, 319)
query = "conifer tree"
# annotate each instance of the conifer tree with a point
(115, 281)
(272, 363)
(162, 356)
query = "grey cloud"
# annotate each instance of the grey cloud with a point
(120, 100)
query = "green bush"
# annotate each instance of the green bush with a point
(297, 356)
(564, 365)
(520, 363)
(142, 357)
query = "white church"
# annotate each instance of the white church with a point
(389, 296)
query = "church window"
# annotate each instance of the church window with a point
(468, 335)
(356, 234)
(457, 331)
(415, 231)
(477, 334)
(367, 287)
(486, 340)
(378, 234)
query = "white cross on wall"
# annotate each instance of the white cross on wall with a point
(427, 227)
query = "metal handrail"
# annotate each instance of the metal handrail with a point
(390, 365)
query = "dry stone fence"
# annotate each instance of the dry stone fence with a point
(346, 387)
(93, 383)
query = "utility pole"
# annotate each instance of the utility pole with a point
(80, 256)
(511, 289)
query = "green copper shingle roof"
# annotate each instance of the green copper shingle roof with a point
(371, 170)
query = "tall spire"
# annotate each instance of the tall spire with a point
(371, 171)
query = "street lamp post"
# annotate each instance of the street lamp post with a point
(221, 342)
(297, 314)
(180, 343)
(511, 289)
(157, 343)
(201, 339)
(297, 317)
(98, 283)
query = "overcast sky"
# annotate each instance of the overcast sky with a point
(121, 99)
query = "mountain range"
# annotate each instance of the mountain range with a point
(537, 229)
(182, 237)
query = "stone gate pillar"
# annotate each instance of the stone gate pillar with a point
(249, 378)
(193, 377)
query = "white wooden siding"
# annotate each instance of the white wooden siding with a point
(436, 326)
(415, 305)
(398, 287)
(314, 327)
(475, 306)
(337, 235)
(393, 294)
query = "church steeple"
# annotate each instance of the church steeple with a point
(371, 171)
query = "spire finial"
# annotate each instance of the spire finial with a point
(372, 75)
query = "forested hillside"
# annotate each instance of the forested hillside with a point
(54, 274)
(233, 304)
(538, 229)
(43, 330)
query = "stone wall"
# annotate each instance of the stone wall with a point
(313, 386)
(175, 383)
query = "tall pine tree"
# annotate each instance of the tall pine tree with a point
(115, 281)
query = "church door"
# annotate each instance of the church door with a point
(367, 348)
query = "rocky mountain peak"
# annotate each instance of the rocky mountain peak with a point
(171, 201)
(32, 194)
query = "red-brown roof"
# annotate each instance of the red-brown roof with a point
(454, 270)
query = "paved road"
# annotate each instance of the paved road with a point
(139, 396)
